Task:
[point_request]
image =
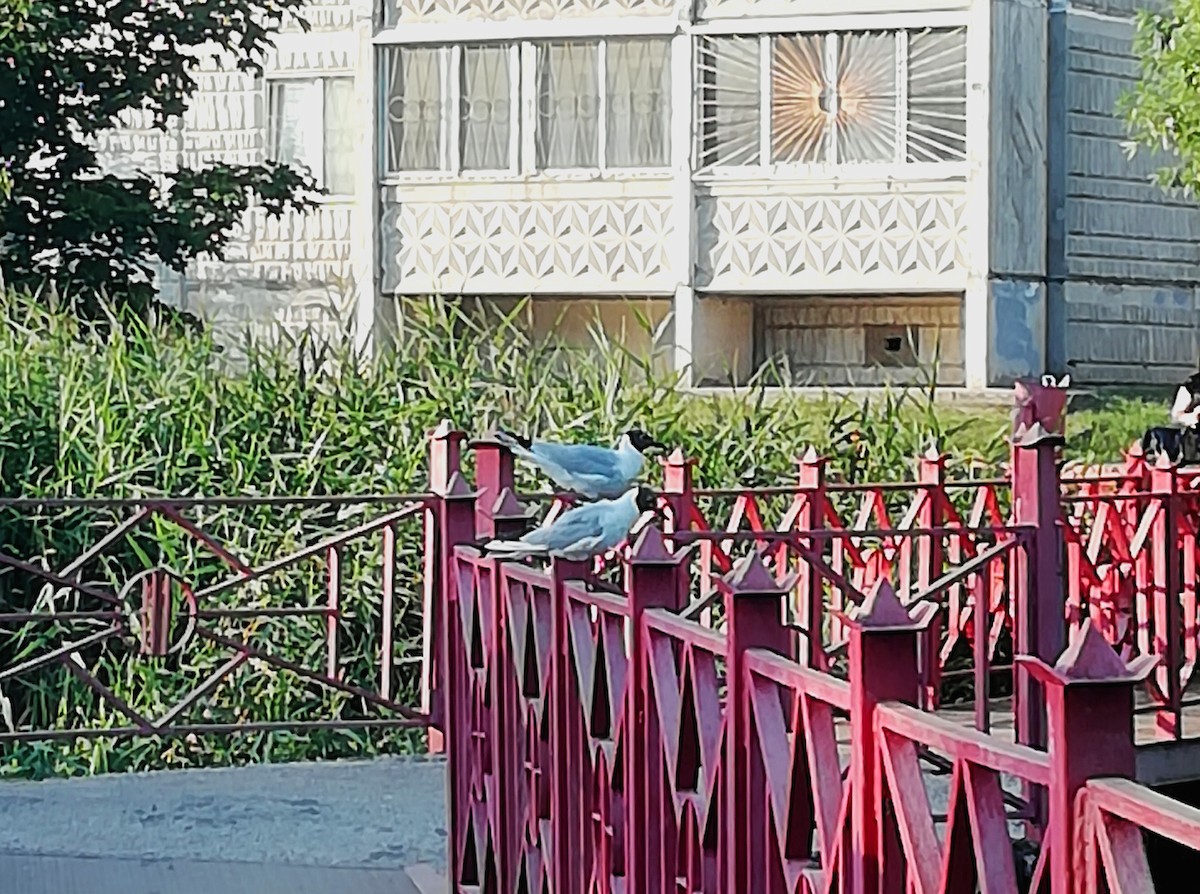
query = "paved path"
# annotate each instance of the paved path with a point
(345, 827)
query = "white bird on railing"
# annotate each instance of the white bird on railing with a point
(588, 470)
(584, 532)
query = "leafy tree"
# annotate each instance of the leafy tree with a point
(1163, 108)
(68, 70)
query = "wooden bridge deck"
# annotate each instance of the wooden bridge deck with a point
(1161, 760)
(1145, 721)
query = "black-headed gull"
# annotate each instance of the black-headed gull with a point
(590, 471)
(584, 532)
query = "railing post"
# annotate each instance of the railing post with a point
(494, 476)
(654, 578)
(754, 602)
(1039, 605)
(1090, 699)
(810, 587)
(931, 559)
(677, 490)
(450, 522)
(566, 732)
(884, 641)
(1167, 607)
(446, 525)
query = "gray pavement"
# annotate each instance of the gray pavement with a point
(343, 827)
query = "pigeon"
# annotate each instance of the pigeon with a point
(584, 532)
(587, 470)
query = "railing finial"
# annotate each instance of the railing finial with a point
(1090, 658)
(882, 609)
(750, 577)
(650, 548)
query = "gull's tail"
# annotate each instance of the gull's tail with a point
(513, 548)
(518, 444)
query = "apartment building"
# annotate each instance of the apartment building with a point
(854, 188)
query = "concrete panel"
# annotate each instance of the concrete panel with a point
(1017, 321)
(1131, 334)
(1017, 155)
(722, 340)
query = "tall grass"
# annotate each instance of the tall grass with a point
(124, 410)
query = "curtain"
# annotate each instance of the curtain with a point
(295, 132)
(340, 136)
(486, 108)
(414, 109)
(638, 103)
(568, 105)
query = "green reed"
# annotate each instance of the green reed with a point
(130, 410)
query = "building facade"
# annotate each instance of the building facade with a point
(855, 188)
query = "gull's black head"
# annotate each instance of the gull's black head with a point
(1193, 383)
(642, 442)
(647, 499)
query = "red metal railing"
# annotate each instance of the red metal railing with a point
(199, 617)
(749, 712)
(1131, 548)
(1113, 817)
(753, 706)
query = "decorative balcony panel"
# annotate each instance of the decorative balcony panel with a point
(892, 241)
(596, 246)
(308, 247)
(406, 12)
(324, 15)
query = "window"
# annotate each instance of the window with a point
(310, 124)
(414, 108)
(568, 105)
(840, 98)
(937, 96)
(425, 83)
(487, 108)
(603, 104)
(594, 104)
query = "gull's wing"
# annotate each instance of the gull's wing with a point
(573, 526)
(578, 459)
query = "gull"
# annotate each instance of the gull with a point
(584, 532)
(585, 469)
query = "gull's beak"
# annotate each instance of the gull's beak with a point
(660, 446)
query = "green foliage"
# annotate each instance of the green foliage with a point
(69, 71)
(124, 410)
(1163, 108)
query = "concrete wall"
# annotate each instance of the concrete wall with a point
(821, 339)
(282, 275)
(573, 321)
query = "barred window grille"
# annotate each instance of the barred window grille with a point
(452, 108)
(414, 109)
(598, 104)
(603, 103)
(486, 108)
(832, 98)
